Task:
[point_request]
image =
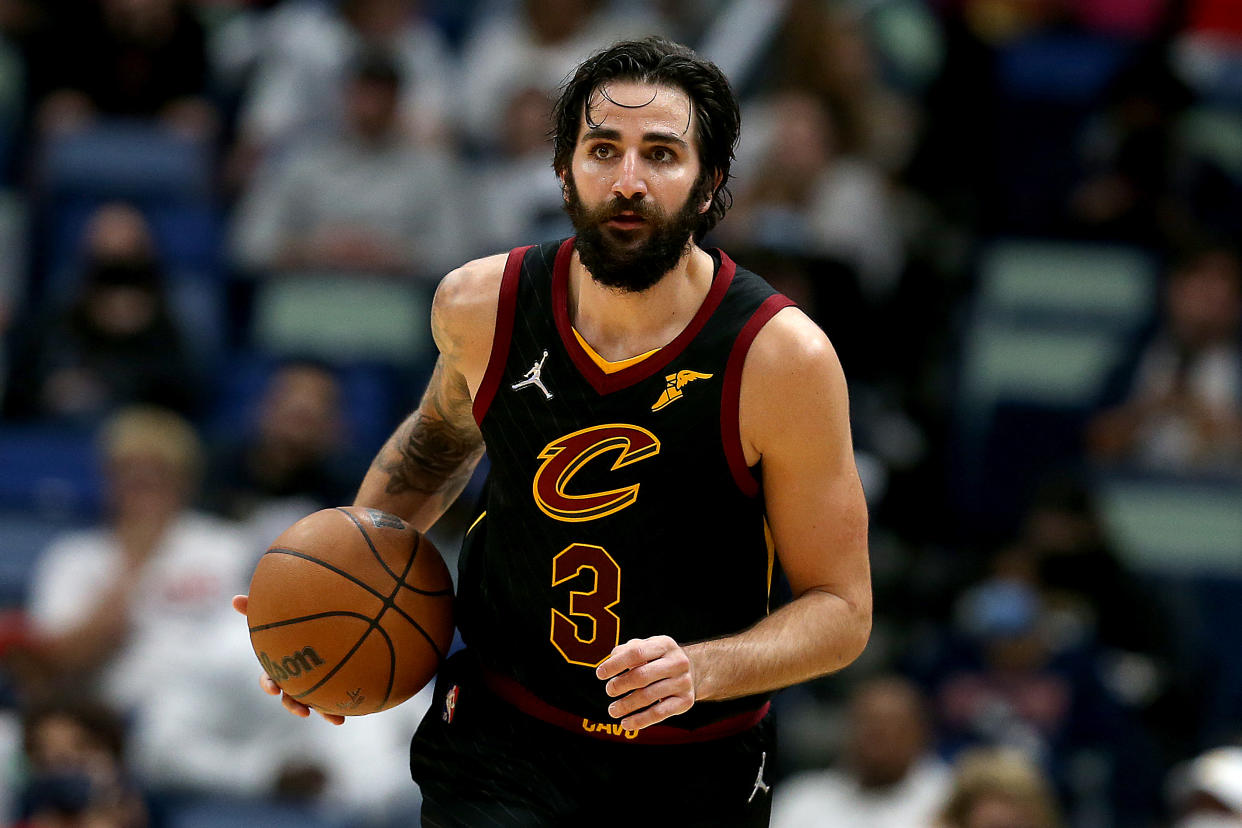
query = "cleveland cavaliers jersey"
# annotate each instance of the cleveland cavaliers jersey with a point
(618, 505)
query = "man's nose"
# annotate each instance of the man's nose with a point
(631, 181)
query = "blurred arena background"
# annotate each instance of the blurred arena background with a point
(222, 222)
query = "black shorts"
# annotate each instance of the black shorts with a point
(492, 765)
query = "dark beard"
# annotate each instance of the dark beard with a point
(631, 268)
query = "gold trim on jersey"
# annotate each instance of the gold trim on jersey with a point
(608, 366)
(482, 515)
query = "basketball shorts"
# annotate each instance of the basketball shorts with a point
(482, 763)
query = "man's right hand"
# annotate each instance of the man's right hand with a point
(270, 687)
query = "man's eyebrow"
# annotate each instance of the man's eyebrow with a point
(598, 133)
(608, 134)
(664, 138)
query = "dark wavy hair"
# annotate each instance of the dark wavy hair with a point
(658, 61)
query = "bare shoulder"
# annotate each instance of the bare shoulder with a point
(791, 343)
(791, 378)
(463, 314)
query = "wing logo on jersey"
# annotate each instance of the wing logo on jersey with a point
(532, 378)
(565, 456)
(676, 382)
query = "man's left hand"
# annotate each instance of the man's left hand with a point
(651, 678)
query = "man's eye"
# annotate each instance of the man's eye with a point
(602, 151)
(661, 154)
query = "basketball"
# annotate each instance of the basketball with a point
(351, 611)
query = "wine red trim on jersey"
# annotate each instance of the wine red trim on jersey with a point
(660, 734)
(731, 393)
(506, 306)
(605, 383)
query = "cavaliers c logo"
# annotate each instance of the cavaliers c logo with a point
(565, 456)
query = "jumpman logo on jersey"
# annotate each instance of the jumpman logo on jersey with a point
(760, 785)
(532, 377)
(676, 382)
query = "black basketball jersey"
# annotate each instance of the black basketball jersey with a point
(618, 505)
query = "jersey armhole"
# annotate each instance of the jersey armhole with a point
(731, 401)
(505, 309)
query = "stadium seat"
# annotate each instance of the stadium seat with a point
(23, 537)
(1174, 524)
(342, 318)
(127, 159)
(225, 812)
(1063, 67)
(49, 472)
(1064, 283)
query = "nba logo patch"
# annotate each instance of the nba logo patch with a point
(450, 704)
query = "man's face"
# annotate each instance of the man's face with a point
(634, 189)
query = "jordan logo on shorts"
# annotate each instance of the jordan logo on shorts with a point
(760, 785)
(532, 378)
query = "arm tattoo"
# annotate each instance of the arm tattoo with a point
(437, 447)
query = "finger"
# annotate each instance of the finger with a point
(632, 653)
(241, 603)
(294, 706)
(270, 687)
(658, 712)
(669, 665)
(332, 718)
(648, 696)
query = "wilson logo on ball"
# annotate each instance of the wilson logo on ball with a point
(291, 666)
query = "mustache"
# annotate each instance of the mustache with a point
(637, 205)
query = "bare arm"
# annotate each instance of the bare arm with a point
(426, 463)
(795, 418)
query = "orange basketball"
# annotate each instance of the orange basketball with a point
(351, 611)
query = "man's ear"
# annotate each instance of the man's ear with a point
(564, 186)
(717, 180)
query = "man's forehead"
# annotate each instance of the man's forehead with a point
(657, 102)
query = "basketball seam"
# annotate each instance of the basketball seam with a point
(315, 617)
(374, 592)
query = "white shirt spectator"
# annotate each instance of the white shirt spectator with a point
(834, 799)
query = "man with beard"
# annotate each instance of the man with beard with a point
(658, 421)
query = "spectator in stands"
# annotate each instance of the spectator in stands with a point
(1012, 681)
(142, 602)
(124, 58)
(363, 202)
(536, 44)
(1179, 407)
(806, 196)
(116, 343)
(888, 777)
(999, 789)
(519, 194)
(75, 755)
(291, 463)
(1207, 791)
(296, 56)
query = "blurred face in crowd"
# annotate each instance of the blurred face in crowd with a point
(997, 811)
(122, 281)
(371, 106)
(146, 485)
(1205, 300)
(377, 20)
(887, 732)
(301, 412)
(556, 20)
(141, 20)
(634, 189)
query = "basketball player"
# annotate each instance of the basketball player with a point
(658, 421)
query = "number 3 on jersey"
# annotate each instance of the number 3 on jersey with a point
(592, 566)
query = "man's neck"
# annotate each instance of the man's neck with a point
(621, 324)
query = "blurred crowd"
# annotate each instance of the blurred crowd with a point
(1017, 220)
